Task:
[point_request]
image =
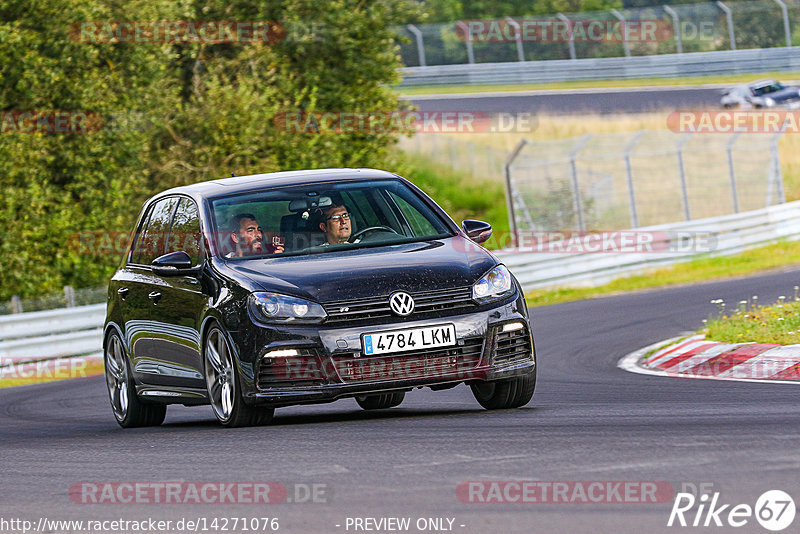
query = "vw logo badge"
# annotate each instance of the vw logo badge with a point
(401, 303)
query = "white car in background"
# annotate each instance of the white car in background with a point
(761, 94)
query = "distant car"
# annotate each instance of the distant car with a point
(232, 295)
(761, 94)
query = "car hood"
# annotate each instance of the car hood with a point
(373, 271)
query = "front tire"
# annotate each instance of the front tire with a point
(129, 410)
(224, 387)
(507, 393)
(381, 401)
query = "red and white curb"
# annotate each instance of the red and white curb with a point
(697, 357)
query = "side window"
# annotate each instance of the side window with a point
(419, 224)
(185, 232)
(154, 239)
(358, 203)
(137, 240)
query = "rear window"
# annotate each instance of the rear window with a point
(152, 242)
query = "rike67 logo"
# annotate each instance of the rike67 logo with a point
(774, 510)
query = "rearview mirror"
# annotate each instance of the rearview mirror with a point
(478, 231)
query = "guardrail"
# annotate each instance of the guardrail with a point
(46, 335)
(613, 68)
(725, 235)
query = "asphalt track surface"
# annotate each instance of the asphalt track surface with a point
(633, 100)
(588, 421)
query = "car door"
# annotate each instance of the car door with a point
(128, 293)
(137, 283)
(178, 305)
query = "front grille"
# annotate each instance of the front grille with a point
(511, 346)
(411, 365)
(302, 370)
(376, 307)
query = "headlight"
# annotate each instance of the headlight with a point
(277, 308)
(768, 102)
(494, 284)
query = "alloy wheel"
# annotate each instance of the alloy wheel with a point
(117, 377)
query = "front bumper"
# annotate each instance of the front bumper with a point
(326, 364)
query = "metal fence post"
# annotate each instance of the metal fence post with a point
(577, 204)
(563, 17)
(676, 25)
(16, 304)
(684, 190)
(734, 195)
(472, 163)
(775, 174)
(629, 171)
(625, 44)
(729, 17)
(420, 45)
(786, 28)
(69, 296)
(517, 37)
(468, 40)
(512, 219)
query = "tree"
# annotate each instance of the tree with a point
(170, 113)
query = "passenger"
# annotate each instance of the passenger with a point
(248, 239)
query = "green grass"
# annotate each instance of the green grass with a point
(641, 82)
(751, 322)
(698, 270)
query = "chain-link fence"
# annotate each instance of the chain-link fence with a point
(699, 27)
(629, 180)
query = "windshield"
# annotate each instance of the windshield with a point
(321, 218)
(773, 87)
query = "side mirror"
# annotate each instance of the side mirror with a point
(173, 264)
(478, 231)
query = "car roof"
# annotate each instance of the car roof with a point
(273, 179)
(761, 83)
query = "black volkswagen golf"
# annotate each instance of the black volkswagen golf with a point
(257, 292)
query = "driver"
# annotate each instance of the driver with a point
(336, 225)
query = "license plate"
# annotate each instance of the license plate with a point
(425, 337)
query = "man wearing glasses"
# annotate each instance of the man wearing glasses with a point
(336, 224)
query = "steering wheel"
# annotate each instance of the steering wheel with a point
(371, 229)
